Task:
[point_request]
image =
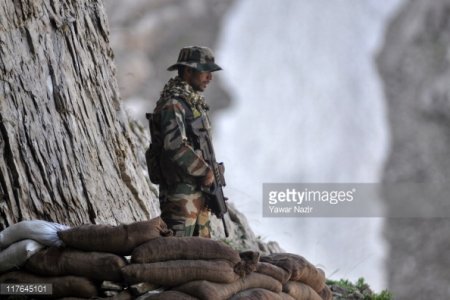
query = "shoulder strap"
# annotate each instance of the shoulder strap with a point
(189, 119)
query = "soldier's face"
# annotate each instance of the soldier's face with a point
(199, 80)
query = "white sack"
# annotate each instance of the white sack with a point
(41, 231)
(18, 253)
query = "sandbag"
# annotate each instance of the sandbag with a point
(65, 261)
(179, 248)
(299, 268)
(206, 290)
(120, 239)
(64, 286)
(326, 293)
(257, 294)
(300, 291)
(42, 232)
(18, 253)
(271, 270)
(175, 272)
(168, 295)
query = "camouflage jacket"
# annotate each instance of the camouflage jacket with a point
(180, 161)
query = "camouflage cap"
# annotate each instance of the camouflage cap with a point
(199, 58)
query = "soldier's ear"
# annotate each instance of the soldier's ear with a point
(189, 71)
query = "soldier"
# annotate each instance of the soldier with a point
(183, 168)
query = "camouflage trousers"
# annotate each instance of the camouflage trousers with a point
(183, 209)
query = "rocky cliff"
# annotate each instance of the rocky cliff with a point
(65, 146)
(415, 67)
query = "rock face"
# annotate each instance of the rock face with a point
(415, 66)
(146, 37)
(67, 152)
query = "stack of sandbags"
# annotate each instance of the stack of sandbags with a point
(198, 268)
(282, 276)
(21, 240)
(91, 256)
(305, 281)
(156, 266)
(195, 267)
(171, 261)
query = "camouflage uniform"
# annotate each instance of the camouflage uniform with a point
(183, 167)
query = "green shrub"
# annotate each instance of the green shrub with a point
(344, 289)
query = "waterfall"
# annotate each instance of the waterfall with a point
(308, 106)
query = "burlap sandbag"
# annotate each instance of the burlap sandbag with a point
(206, 290)
(299, 268)
(300, 291)
(64, 286)
(56, 261)
(326, 293)
(120, 239)
(271, 270)
(175, 272)
(183, 248)
(259, 294)
(168, 295)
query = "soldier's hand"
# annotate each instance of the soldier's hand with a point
(208, 179)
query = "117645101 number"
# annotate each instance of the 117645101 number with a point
(26, 289)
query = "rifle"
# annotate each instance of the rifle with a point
(214, 196)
